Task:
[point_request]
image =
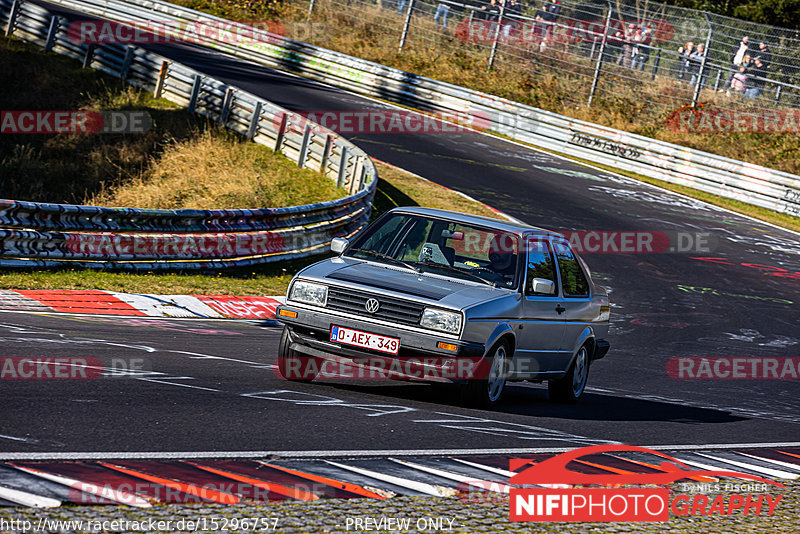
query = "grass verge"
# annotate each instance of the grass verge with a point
(183, 161)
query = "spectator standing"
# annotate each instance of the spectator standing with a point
(739, 81)
(511, 24)
(764, 54)
(642, 52)
(626, 57)
(491, 10)
(545, 18)
(442, 10)
(685, 52)
(738, 56)
(756, 80)
(696, 65)
(614, 47)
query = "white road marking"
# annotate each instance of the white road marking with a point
(422, 487)
(785, 465)
(497, 487)
(774, 473)
(24, 498)
(103, 492)
(356, 453)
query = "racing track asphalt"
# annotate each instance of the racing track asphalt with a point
(730, 307)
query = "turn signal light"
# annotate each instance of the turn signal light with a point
(288, 313)
(447, 346)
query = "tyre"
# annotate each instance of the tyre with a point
(293, 366)
(487, 392)
(571, 387)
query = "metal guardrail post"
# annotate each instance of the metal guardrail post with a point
(594, 45)
(778, 92)
(301, 158)
(358, 169)
(126, 64)
(87, 58)
(281, 131)
(405, 26)
(51, 33)
(227, 101)
(162, 78)
(716, 82)
(252, 129)
(702, 72)
(602, 53)
(496, 36)
(341, 177)
(12, 17)
(326, 154)
(195, 94)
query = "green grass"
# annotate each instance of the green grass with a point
(184, 161)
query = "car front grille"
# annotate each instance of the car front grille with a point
(391, 309)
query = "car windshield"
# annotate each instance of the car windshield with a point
(441, 247)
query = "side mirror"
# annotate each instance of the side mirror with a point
(339, 244)
(542, 286)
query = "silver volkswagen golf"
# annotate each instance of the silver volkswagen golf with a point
(438, 295)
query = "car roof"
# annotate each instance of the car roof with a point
(518, 228)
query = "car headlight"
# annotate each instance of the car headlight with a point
(441, 320)
(309, 293)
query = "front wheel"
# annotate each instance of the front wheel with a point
(486, 392)
(570, 388)
(293, 366)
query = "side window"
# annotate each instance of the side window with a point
(572, 278)
(540, 265)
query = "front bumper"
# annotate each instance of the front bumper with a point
(419, 354)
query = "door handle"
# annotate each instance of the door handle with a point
(560, 309)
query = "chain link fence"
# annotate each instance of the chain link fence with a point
(601, 49)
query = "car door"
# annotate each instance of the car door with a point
(577, 300)
(540, 334)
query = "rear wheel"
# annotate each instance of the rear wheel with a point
(571, 387)
(486, 392)
(293, 366)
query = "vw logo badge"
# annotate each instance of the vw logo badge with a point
(372, 305)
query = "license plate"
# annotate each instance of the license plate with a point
(357, 338)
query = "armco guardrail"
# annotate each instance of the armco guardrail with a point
(35, 234)
(752, 184)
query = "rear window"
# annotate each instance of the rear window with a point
(572, 278)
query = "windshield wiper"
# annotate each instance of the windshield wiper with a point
(458, 270)
(387, 257)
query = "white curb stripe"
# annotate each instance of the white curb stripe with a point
(23, 498)
(787, 465)
(122, 497)
(484, 484)
(421, 487)
(774, 473)
(489, 468)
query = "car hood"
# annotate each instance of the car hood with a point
(402, 283)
